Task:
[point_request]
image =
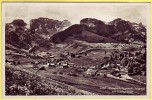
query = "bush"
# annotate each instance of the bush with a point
(19, 83)
(54, 72)
(60, 72)
(22, 83)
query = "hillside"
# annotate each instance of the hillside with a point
(22, 37)
(27, 83)
(46, 26)
(43, 33)
(97, 31)
(17, 34)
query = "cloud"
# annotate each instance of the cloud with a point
(135, 12)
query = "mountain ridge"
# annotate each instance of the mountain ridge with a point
(89, 30)
(118, 30)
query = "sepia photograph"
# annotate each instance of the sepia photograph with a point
(76, 49)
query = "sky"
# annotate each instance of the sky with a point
(74, 12)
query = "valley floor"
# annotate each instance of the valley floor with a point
(95, 86)
(66, 81)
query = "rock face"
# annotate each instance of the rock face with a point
(93, 30)
(19, 23)
(126, 31)
(44, 31)
(79, 32)
(94, 25)
(97, 26)
(47, 26)
(38, 34)
(17, 34)
(121, 25)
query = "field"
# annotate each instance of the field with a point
(19, 82)
(74, 80)
(99, 85)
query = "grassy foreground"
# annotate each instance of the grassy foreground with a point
(19, 82)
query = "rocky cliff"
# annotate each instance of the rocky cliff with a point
(93, 30)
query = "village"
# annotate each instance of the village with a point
(118, 65)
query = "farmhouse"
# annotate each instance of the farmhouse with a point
(64, 64)
(12, 62)
(52, 65)
(91, 72)
(55, 59)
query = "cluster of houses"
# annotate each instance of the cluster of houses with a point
(54, 62)
(126, 62)
(118, 63)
